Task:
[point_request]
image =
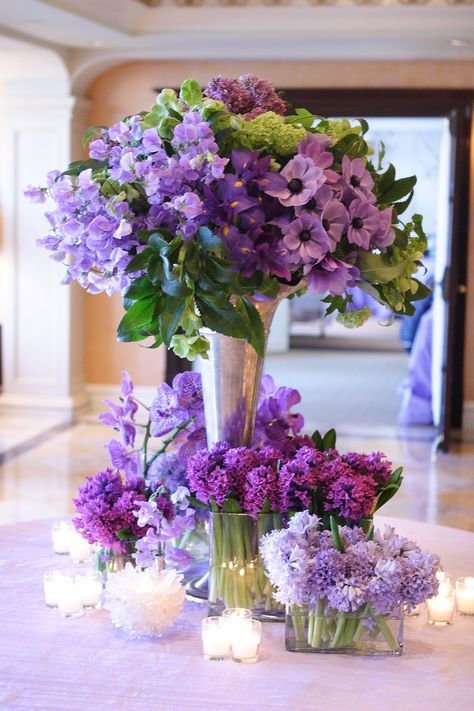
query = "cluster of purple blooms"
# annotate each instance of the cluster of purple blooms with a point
(151, 502)
(290, 476)
(249, 96)
(310, 216)
(305, 566)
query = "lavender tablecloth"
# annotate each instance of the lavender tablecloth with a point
(49, 663)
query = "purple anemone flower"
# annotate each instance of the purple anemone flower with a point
(358, 180)
(334, 219)
(331, 275)
(315, 204)
(296, 183)
(385, 235)
(306, 240)
(364, 222)
(313, 147)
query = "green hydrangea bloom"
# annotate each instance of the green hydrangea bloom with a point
(354, 319)
(271, 133)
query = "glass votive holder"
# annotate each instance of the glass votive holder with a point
(215, 638)
(51, 583)
(465, 595)
(444, 577)
(89, 586)
(245, 641)
(69, 598)
(60, 534)
(414, 612)
(441, 607)
(80, 550)
(233, 614)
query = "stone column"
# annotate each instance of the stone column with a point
(42, 319)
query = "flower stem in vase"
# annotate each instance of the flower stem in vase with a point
(340, 630)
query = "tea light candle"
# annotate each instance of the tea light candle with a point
(444, 577)
(441, 607)
(465, 595)
(90, 588)
(80, 550)
(60, 533)
(245, 640)
(51, 583)
(215, 638)
(69, 598)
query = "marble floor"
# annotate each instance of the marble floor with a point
(42, 468)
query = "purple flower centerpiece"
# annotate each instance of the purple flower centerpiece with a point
(140, 505)
(215, 198)
(250, 491)
(345, 591)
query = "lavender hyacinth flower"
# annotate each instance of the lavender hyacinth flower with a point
(306, 240)
(296, 183)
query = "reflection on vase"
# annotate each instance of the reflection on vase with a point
(236, 574)
(363, 632)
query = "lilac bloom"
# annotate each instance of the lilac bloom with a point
(364, 222)
(35, 195)
(296, 183)
(385, 235)
(165, 413)
(358, 180)
(188, 204)
(306, 240)
(331, 275)
(334, 219)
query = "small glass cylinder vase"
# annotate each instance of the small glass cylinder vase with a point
(363, 632)
(110, 561)
(236, 573)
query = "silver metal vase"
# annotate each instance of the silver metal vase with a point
(231, 378)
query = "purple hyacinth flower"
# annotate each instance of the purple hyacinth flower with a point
(165, 411)
(306, 240)
(364, 222)
(385, 235)
(331, 275)
(296, 183)
(358, 180)
(334, 219)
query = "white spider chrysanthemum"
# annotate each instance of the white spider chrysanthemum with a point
(144, 602)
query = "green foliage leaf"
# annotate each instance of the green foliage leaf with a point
(329, 440)
(219, 315)
(91, 134)
(171, 314)
(255, 329)
(140, 288)
(400, 207)
(318, 440)
(338, 544)
(191, 92)
(139, 261)
(397, 190)
(78, 166)
(137, 318)
(385, 180)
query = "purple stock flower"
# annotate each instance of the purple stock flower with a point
(364, 222)
(331, 275)
(306, 240)
(166, 413)
(296, 183)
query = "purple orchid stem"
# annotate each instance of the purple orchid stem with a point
(164, 446)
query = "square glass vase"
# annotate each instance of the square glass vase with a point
(362, 632)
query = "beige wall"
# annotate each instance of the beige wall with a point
(129, 88)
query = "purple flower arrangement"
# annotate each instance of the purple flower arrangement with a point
(143, 500)
(338, 584)
(293, 474)
(214, 199)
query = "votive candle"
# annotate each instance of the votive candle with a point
(89, 586)
(80, 550)
(61, 533)
(465, 595)
(215, 638)
(245, 641)
(69, 598)
(51, 583)
(441, 607)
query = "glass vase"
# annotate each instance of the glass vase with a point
(317, 629)
(109, 561)
(236, 574)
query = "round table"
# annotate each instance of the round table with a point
(49, 663)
